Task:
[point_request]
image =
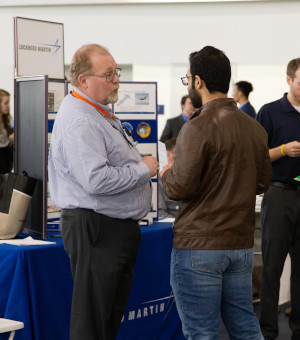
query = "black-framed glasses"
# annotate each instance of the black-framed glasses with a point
(108, 76)
(185, 80)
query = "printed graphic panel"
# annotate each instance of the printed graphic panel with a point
(136, 98)
(39, 48)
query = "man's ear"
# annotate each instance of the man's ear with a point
(198, 82)
(82, 81)
(288, 80)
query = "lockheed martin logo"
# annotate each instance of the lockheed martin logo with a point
(55, 46)
(46, 48)
(148, 308)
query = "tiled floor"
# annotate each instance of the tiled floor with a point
(283, 322)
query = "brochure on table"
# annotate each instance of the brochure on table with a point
(162, 155)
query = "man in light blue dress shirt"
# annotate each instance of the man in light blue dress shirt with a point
(102, 184)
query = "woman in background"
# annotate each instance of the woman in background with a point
(6, 134)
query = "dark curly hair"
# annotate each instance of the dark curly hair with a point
(213, 67)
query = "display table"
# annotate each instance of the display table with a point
(36, 288)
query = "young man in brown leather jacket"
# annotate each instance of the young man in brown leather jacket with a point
(222, 162)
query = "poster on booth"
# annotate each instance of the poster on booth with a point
(137, 109)
(39, 48)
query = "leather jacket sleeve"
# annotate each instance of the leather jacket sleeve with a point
(182, 181)
(265, 175)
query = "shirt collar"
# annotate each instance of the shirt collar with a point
(185, 118)
(287, 106)
(242, 105)
(104, 107)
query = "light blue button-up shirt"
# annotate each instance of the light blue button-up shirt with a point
(94, 165)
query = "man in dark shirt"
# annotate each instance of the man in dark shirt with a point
(280, 212)
(241, 93)
(174, 125)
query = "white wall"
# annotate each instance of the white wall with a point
(259, 34)
(269, 82)
(249, 32)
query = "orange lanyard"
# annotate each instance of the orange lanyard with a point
(77, 95)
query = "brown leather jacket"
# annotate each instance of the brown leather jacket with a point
(221, 163)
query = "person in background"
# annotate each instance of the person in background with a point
(241, 91)
(174, 125)
(280, 208)
(221, 163)
(102, 184)
(167, 207)
(6, 134)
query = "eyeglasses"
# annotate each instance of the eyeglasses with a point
(108, 76)
(185, 80)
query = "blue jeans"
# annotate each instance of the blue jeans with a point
(212, 284)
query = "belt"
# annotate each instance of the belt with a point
(93, 212)
(286, 186)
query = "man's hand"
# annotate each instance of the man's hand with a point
(165, 168)
(152, 164)
(292, 149)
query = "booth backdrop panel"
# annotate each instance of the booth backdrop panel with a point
(36, 288)
(30, 144)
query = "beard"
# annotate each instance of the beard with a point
(195, 98)
(112, 98)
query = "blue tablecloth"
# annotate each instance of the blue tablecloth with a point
(36, 288)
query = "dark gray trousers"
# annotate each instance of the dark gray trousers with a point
(102, 253)
(280, 218)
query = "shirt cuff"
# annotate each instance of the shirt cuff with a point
(144, 172)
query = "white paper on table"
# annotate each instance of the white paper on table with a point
(28, 241)
(167, 219)
(162, 155)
